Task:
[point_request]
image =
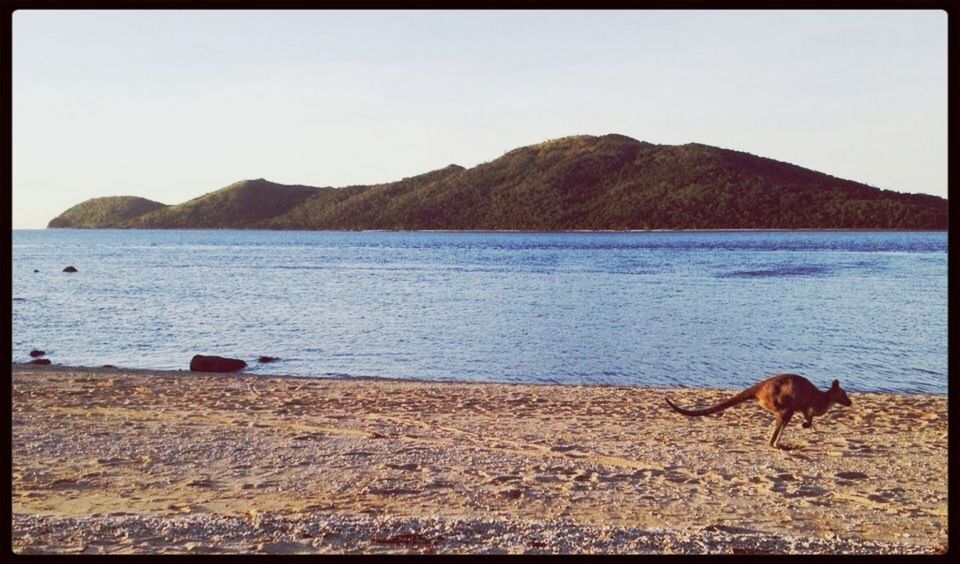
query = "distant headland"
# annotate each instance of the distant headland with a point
(609, 182)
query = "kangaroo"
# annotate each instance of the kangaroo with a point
(783, 395)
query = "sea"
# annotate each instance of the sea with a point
(718, 308)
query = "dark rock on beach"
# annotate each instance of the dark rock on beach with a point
(36, 353)
(266, 359)
(70, 269)
(201, 363)
(40, 361)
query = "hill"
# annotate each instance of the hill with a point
(111, 211)
(579, 182)
(241, 204)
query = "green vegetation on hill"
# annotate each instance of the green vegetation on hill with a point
(580, 182)
(111, 211)
(242, 204)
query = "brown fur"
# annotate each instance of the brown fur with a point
(783, 395)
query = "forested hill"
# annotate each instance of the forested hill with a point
(105, 212)
(581, 182)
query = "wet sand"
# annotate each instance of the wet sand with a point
(132, 461)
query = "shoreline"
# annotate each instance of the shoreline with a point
(728, 230)
(141, 461)
(26, 366)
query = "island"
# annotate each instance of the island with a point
(583, 182)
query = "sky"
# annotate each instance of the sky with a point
(170, 105)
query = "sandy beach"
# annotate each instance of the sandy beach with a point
(131, 461)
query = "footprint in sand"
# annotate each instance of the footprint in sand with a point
(565, 470)
(648, 473)
(859, 451)
(808, 490)
(586, 476)
(797, 455)
(310, 436)
(511, 493)
(887, 496)
(851, 475)
(439, 484)
(678, 476)
(413, 466)
(789, 485)
(571, 451)
(204, 483)
(67, 484)
(620, 477)
(504, 478)
(719, 527)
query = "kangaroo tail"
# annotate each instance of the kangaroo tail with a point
(743, 396)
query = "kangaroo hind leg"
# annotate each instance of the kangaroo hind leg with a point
(782, 420)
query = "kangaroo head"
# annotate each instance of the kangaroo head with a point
(838, 395)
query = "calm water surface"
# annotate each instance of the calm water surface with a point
(657, 309)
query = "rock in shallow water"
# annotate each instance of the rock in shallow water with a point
(40, 361)
(35, 353)
(70, 269)
(201, 363)
(267, 359)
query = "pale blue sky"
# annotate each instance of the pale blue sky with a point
(173, 104)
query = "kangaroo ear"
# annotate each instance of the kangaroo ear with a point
(836, 384)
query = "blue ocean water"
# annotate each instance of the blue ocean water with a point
(653, 308)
